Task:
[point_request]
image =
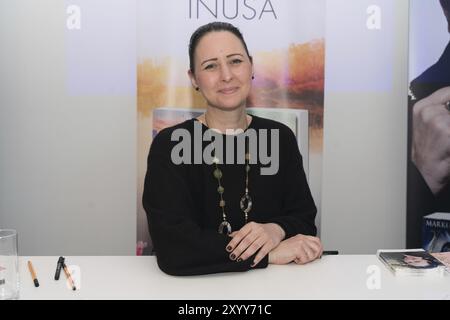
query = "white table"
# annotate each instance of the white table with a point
(332, 277)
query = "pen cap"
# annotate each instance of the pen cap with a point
(58, 267)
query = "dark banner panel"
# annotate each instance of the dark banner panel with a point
(428, 200)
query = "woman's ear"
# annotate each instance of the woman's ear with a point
(192, 78)
(253, 68)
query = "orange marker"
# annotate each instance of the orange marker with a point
(33, 274)
(69, 277)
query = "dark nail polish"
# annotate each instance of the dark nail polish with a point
(232, 256)
(239, 259)
(229, 248)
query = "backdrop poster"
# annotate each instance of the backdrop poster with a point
(287, 41)
(429, 124)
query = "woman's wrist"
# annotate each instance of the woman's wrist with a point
(271, 257)
(279, 231)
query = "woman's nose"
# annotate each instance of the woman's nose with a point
(226, 73)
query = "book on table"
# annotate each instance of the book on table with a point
(436, 232)
(412, 262)
(443, 257)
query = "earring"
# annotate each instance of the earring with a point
(197, 88)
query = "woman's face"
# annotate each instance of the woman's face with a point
(415, 261)
(223, 70)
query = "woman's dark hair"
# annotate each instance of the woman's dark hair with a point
(432, 262)
(212, 27)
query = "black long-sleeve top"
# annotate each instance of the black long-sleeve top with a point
(182, 202)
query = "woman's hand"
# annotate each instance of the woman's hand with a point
(253, 237)
(300, 248)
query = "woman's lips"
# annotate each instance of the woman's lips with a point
(228, 90)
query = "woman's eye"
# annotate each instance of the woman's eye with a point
(210, 66)
(236, 61)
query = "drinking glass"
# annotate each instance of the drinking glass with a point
(9, 265)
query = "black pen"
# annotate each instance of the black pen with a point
(58, 267)
(330, 252)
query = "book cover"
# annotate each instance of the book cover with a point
(412, 262)
(436, 232)
(167, 117)
(443, 257)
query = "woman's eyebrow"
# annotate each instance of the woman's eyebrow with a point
(212, 59)
(235, 54)
(215, 59)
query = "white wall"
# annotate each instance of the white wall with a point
(365, 135)
(68, 163)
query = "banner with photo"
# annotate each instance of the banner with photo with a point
(428, 195)
(287, 41)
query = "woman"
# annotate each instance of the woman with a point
(222, 217)
(419, 262)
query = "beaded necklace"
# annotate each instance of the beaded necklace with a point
(246, 200)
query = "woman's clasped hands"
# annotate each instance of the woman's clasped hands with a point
(267, 238)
